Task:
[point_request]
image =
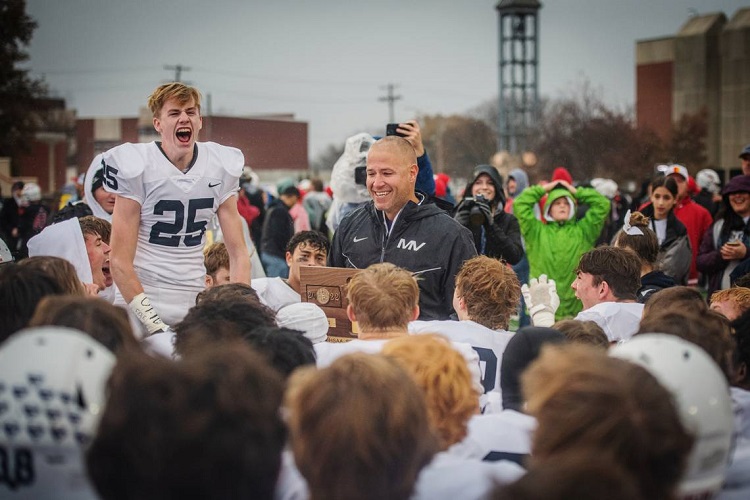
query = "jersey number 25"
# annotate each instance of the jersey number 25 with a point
(168, 233)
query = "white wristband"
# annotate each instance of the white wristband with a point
(146, 314)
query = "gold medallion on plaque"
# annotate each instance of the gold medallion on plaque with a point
(323, 295)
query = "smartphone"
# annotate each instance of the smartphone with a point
(392, 129)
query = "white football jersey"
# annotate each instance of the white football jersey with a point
(488, 344)
(327, 352)
(176, 207)
(497, 436)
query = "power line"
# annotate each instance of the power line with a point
(390, 99)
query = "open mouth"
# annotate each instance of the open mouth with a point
(184, 134)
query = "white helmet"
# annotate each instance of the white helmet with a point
(708, 179)
(702, 395)
(52, 382)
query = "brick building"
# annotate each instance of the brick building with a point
(702, 67)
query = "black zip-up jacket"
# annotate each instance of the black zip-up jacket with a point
(424, 240)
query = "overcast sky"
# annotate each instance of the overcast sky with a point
(328, 61)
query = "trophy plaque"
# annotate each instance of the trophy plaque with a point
(326, 288)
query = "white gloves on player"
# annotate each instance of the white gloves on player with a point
(147, 315)
(542, 300)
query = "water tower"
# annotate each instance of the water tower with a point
(518, 72)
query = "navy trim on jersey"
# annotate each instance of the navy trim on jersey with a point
(192, 162)
(496, 456)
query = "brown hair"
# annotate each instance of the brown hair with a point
(359, 428)
(490, 289)
(60, 269)
(707, 329)
(441, 373)
(619, 267)
(383, 297)
(204, 427)
(104, 322)
(215, 256)
(583, 399)
(686, 298)
(180, 92)
(96, 227)
(646, 245)
(583, 332)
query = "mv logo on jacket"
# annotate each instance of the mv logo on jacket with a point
(411, 245)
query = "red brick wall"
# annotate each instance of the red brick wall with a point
(654, 97)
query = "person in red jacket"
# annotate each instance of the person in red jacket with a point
(693, 216)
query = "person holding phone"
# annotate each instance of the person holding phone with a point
(725, 245)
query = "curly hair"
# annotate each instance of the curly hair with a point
(383, 297)
(215, 256)
(737, 295)
(490, 289)
(441, 372)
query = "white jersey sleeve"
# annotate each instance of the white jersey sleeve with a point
(123, 171)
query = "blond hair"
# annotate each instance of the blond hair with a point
(178, 91)
(383, 297)
(441, 373)
(215, 256)
(739, 296)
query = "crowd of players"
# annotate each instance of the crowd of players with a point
(139, 360)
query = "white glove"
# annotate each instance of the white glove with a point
(141, 307)
(542, 300)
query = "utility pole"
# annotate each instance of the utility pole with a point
(178, 69)
(390, 98)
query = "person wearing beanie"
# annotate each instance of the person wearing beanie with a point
(496, 233)
(726, 244)
(555, 247)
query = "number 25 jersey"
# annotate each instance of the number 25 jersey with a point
(175, 207)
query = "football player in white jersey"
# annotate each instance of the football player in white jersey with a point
(487, 293)
(167, 192)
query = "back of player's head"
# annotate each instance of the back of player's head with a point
(213, 321)
(640, 238)
(523, 348)
(228, 291)
(741, 328)
(60, 269)
(21, 289)
(312, 239)
(583, 332)
(104, 322)
(619, 267)
(285, 349)
(441, 372)
(358, 428)
(383, 297)
(709, 330)
(178, 91)
(204, 427)
(687, 298)
(585, 400)
(580, 474)
(490, 290)
(215, 257)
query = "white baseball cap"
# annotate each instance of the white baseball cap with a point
(305, 317)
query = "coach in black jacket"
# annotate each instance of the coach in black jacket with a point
(399, 227)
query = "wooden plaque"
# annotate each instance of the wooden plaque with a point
(326, 288)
